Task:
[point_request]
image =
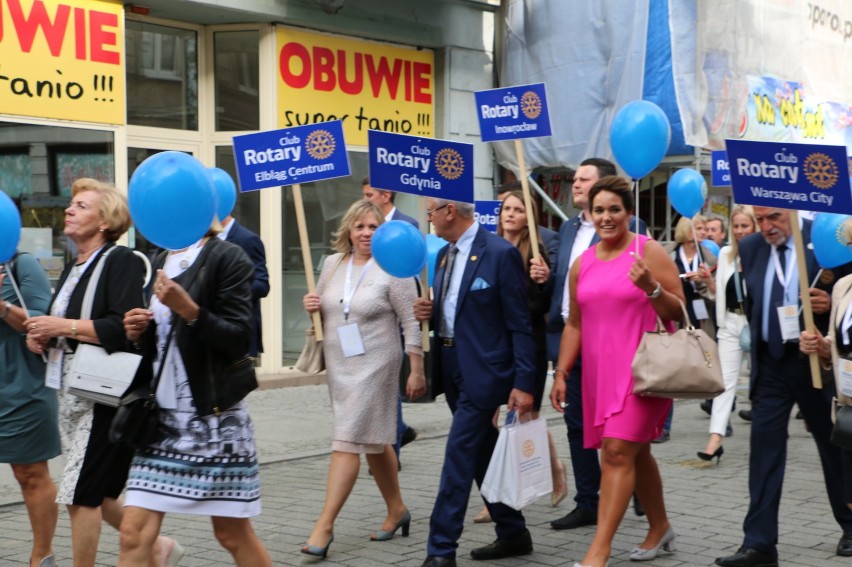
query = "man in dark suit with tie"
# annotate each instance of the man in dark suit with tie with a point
(576, 235)
(483, 358)
(780, 377)
(253, 246)
(385, 201)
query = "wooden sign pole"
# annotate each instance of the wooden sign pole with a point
(424, 275)
(525, 184)
(306, 255)
(816, 376)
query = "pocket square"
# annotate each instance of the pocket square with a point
(479, 283)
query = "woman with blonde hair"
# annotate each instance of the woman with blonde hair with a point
(356, 298)
(728, 290)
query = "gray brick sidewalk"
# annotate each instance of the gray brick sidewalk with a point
(706, 503)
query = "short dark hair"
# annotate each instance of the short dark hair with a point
(614, 184)
(604, 166)
(365, 181)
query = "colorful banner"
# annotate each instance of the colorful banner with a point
(487, 214)
(512, 113)
(441, 169)
(805, 177)
(290, 156)
(63, 59)
(366, 85)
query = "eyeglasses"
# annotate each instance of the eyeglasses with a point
(430, 212)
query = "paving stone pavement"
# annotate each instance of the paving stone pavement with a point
(706, 503)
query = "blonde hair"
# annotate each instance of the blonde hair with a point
(740, 210)
(112, 206)
(683, 230)
(340, 238)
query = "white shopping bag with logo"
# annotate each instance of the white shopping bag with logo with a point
(519, 471)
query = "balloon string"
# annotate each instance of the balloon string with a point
(17, 290)
(697, 245)
(636, 211)
(813, 283)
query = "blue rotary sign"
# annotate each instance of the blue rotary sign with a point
(806, 177)
(487, 213)
(291, 155)
(441, 169)
(512, 113)
(720, 171)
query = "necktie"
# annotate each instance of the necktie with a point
(445, 285)
(776, 298)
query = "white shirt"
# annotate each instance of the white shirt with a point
(389, 216)
(226, 230)
(582, 241)
(464, 244)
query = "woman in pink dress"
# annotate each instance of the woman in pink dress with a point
(616, 295)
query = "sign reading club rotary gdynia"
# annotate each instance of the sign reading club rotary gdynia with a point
(512, 113)
(441, 169)
(291, 155)
(806, 177)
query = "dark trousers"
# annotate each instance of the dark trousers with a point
(584, 462)
(469, 446)
(780, 383)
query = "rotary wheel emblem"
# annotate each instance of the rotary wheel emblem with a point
(530, 105)
(449, 163)
(820, 170)
(320, 144)
(528, 448)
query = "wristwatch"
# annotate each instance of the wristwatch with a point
(656, 293)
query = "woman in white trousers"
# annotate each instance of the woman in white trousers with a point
(731, 319)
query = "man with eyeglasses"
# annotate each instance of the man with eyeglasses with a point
(483, 358)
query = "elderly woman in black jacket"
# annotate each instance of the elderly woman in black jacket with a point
(195, 337)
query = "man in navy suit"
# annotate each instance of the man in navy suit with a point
(385, 201)
(253, 246)
(780, 377)
(483, 358)
(575, 236)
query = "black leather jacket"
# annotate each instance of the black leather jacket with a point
(219, 281)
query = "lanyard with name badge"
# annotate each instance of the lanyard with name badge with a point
(788, 313)
(349, 334)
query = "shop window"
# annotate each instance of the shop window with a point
(162, 76)
(237, 71)
(38, 163)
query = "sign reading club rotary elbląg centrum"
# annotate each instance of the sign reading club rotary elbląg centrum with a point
(807, 177)
(512, 113)
(291, 155)
(441, 169)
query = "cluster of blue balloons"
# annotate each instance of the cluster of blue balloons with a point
(687, 191)
(831, 247)
(639, 137)
(173, 198)
(399, 249)
(10, 227)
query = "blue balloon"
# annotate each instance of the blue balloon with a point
(687, 192)
(10, 228)
(831, 247)
(433, 246)
(711, 246)
(639, 137)
(226, 191)
(172, 200)
(399, 249)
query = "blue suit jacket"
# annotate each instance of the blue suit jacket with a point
(550, 239)
(399, 215)
(567, 234)
(493, 332)
(253, 246)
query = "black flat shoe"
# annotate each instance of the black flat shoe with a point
(745, 414)
(500, 548)
(717, 454)
(707, 406)
(844, 546)
(637, 506)
(746, 557)
(576, 518)
(435, 561)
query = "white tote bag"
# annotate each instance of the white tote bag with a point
(519, 471)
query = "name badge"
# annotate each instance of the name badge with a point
(53, 374)
(700, 309)
(350, 340)
(788, 317)
(844, 384)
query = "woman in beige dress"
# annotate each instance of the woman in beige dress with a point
(362, 307)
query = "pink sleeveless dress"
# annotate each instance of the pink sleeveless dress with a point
(614, 315)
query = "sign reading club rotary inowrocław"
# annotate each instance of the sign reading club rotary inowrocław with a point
(441, 169)
(806, 177)
(291, 155)
(512, 113)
